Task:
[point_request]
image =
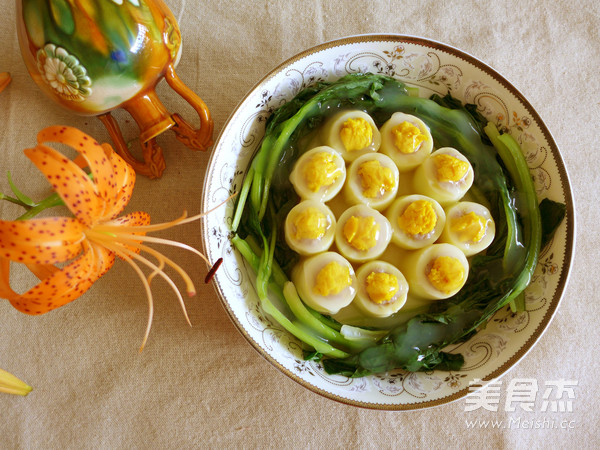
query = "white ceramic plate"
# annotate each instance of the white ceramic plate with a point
(434, 68)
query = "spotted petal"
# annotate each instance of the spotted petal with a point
(134, 219)
(65, 285)
(41, 241)
(5, 290)
(124, 178)
(104, 168)
(121, 225)
(70, 182)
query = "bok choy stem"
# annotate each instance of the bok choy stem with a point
(280, 284)
(268, 307)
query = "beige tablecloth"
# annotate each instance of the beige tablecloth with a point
(205, 386)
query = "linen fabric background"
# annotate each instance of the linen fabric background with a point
(205, 386)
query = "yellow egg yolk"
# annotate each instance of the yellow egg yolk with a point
(449, 168)
(356, 134)
(375, 179)
(332, 279)
(407, 137)
(361, 232)
(418, 218)
(381, 287)
(469, 227)
(310, 224)
(321, 171)
(446, 274)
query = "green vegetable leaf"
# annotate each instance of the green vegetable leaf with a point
(552, 214)
(312, 355)
(22, 197)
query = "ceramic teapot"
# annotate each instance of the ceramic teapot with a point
(93, 56)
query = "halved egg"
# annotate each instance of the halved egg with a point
(362, 233)
(318, 174)
(352, 133)
(381, 289)
(469, 226)
(446, 175)
(372, 179)
(417, 221)
(435, 272)
(407, 140)
(326, 282)
(309, 227)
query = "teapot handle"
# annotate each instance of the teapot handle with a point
(199, 139)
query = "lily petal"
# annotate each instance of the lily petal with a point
(66, 284)
(70, 182)
(5, 289)
(42, 271)
(134, 219)
(9, 384)
(124, 177)
(4, 80)
(100, 165)
(41, 241)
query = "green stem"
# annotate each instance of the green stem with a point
(33, 209)
(277, 273)
(510, 152)
(296, 329)
(314, 320)
(324, 319)
(49, 202)
(242, 200)
(304, 316)
(16, 201)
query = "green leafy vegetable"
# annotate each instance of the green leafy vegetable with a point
(496, 279)
(553, 214)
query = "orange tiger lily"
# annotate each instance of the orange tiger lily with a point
(87, 243)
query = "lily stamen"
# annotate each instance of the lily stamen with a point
(137, 269)
(136, 238)
(159, 256)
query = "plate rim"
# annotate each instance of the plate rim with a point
(569, 221)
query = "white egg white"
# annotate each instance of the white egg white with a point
(354, 190)
(459, 209)
(417, 265)
(426, 181)
(326, 193)
(330, 134)
(383, 237)
(408, 241)
(309, 246)
(405, 162)
(364, 302)
(304, 276)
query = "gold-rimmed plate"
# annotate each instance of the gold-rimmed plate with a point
(433, 67)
